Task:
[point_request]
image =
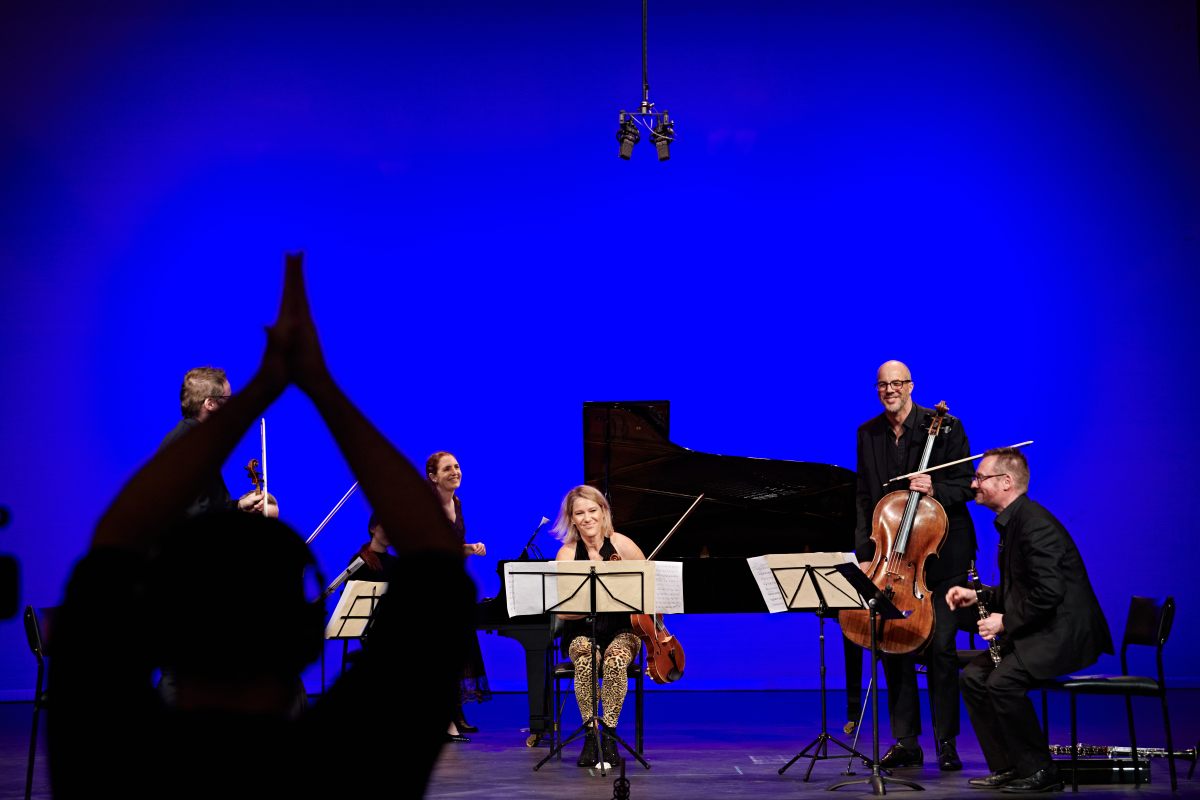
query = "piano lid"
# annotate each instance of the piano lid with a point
(752, 506)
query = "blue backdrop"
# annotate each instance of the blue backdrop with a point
(1003, 195)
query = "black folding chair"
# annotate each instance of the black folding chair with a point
(37, 629)
(1148, 624)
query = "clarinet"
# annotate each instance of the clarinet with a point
(1118, 751)
(994, 644)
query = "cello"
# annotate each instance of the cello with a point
(907, 527)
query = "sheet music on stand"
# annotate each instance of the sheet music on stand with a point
(785, 583)
(354, 609)
(651, 587)
(810, 582)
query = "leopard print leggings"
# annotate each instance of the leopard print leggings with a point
(618, 655)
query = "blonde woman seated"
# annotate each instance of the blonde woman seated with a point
(585, 528)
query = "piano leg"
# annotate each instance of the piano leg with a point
(536, 640)
(853, 656)
(537, 676)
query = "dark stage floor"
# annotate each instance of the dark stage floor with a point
(710, 745)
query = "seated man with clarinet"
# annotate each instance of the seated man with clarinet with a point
(1048, 615)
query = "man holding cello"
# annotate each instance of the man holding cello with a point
(890, 445)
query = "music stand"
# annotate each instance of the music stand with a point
(820, 588)
(617, 586)
(351, 617)
(880, 609)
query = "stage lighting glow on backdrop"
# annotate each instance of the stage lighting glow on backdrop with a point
(657, 123)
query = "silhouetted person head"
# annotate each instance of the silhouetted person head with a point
(231, 597)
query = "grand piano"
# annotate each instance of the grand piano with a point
(751, 506)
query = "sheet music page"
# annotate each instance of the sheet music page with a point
(623, 586)
(766, 584)
(353, 610)
(840, 594)
(797, 587)
(527, 590)
(534, 587)
(668, 587)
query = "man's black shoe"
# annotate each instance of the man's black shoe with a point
(948, 760)
(590, 754)
(1044, 780)
(899, 756)
(995, 780)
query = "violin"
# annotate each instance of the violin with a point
(665, 658)
(907, 527)
(254, 474)
(260, 483)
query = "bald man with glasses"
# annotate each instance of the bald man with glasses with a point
(891, 444)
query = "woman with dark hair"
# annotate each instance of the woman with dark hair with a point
(585, 528)
(444, 476)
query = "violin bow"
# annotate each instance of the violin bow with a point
(918, 472)
(328, 516)
(671, 532)
(265, 500)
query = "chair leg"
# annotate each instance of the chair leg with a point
(1170, 744)
(1133, 754)
(33, 742)
(1074, 747)
(556, 729)
(640, 709)
(1045, 715)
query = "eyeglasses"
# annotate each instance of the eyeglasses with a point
(981, 478)
(220, 398)
(894, 384)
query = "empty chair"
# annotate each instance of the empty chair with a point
(37, 630)
(1148, 624)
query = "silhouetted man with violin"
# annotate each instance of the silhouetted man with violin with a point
(1050, 619)
(204, 391)
(890, 445)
